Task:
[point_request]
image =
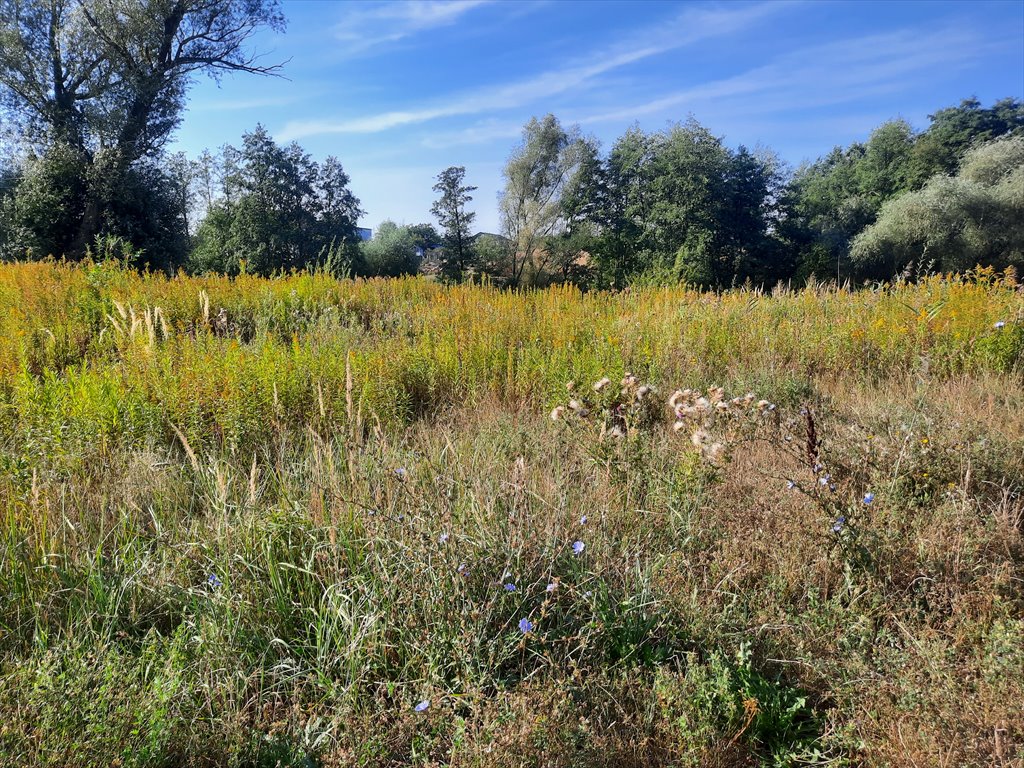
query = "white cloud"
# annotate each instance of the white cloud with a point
(481, 132)
(243, 104)
(819, 76)
(367, 27)
(688, 27)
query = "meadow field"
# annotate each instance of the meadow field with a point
(302, 521)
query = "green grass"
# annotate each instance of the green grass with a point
(261, 536)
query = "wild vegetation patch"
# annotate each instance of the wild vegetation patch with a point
(302, 521)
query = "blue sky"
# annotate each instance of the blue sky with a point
(399, 91)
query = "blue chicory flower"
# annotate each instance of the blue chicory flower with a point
(510, 587)
(525, 625)
(577, 546)
(869, 497)
(840, 522)
(423, 705)
(551, 587)
(213, 581)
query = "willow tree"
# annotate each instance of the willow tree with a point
(106, 80)
(954, 222)
(538, 177)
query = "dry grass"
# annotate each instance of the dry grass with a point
(263, 540)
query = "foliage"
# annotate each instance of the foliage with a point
(835, 199)
(457, 257)
(279, 210)
(953, 223)
(392, 251)
(679, 205)
(425, 236)
(42, 205)
(542, 169)
(106, 84)
(955, 130)
(657, 208)
(42, 212)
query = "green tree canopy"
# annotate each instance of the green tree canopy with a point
(836, 198)
(279, 210)
(457, 256)
(954, 222)
(955, 130)
(105, 81)
(392, 251)
(679, 204)
(539, 174)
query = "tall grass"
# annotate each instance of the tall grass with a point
(257, 522)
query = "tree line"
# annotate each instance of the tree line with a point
(92, 90)
(680, 205)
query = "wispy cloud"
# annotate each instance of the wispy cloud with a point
(235, 105)
(813, 77)
(482, 132)
(686, 28)
(821, 75)
(367, 27)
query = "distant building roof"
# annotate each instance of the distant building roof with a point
(490, 235)
(365, 233)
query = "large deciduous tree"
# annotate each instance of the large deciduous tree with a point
(838, 197)
(679, 205)
(540, 172)
(278, 210)
(954, 222)
(105, 80)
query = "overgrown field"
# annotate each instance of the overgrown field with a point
(303, 521)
